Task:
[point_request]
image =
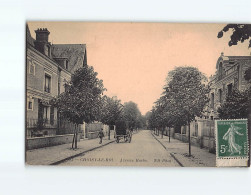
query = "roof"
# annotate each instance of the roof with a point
(231, 58)
(75, 53)
(29, 38)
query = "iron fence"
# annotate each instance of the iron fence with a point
(41, 123)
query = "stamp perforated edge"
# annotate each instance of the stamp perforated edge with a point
(242, 158)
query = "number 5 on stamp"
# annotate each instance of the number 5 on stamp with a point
(231, 142)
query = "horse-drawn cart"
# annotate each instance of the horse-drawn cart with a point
(123, 134)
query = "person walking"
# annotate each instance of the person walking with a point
(100, 135)
(131, 129)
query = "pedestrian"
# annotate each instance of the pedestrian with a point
(131, 129)
(100, 135)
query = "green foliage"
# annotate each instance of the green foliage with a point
(82, 101)
(188, 94)
(236, 105)
(241, 32)
(184, 98)
(247, 74)
(132, 115)
(112, 110)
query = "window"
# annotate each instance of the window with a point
(212, 100)
(52, 116)
(46, 113)
(30, 104)
(220, 95)
(229, 89)
(66, 64)
(220, 74)
(49, 51)
(31, 68)
(66, 86)
(47, 83)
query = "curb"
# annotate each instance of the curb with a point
(170, 153)
(76, 155)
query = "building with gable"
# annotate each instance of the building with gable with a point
(48, 68)
(230, 71)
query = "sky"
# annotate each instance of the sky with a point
(133, 59)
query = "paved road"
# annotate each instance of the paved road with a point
(144, 150)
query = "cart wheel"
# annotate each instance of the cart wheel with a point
(117, 140)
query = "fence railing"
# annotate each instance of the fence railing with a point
(41, 123)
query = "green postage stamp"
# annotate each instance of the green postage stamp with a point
(232, 147)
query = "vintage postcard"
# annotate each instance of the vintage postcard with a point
(138, 94)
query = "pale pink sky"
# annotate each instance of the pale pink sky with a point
(133, 59)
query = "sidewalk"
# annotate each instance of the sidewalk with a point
(179, 151)
(55, 154)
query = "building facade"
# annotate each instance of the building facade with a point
(230, 71)
(48, 69)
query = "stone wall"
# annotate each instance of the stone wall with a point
(92, 129)
(47, 132)
(41, 142)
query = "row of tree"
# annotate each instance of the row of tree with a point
(186, 93)
(184, 97)
(83, 101)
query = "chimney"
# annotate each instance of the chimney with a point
(222, 53)
(42, 34)
(41, 43)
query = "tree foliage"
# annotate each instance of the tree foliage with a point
(247, 74)
(112, 110)
(132, 115)
(187, 94)
(236, 105)
(82, 101)
(240, 33)
(184, 98)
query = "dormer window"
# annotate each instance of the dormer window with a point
(49, 51)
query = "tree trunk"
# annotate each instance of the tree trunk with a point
(73, 140)
(76, 138)
(76, 141)
(189, 139)
(109, 133)
(162, 132)
(169, 134)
